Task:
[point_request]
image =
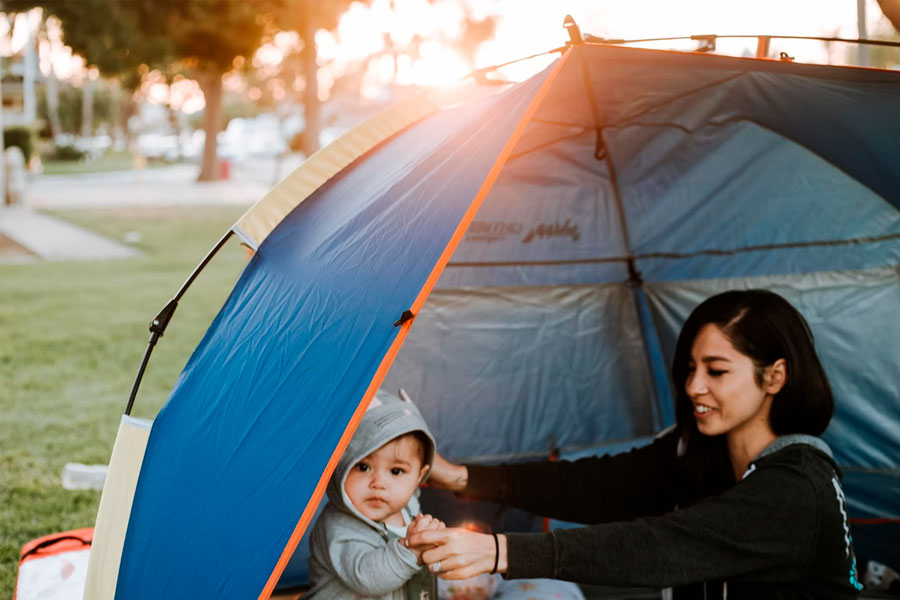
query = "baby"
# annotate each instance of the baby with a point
(372, 504)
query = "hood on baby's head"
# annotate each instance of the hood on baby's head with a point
(387, 417)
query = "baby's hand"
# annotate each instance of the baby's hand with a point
(424, 523)
(419, 524)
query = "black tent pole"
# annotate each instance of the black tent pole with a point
(161, 321)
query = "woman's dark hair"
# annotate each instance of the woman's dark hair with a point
(765, 327)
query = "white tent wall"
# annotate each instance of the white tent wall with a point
(500, 372)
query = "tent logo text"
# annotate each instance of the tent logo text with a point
(491, 231)
(548, 230)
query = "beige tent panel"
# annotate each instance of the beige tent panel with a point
(115, 508)
(256, 224)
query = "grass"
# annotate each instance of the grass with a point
(109, 161)
(71, 337)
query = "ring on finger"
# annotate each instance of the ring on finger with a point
(436, 567)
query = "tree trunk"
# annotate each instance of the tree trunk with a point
(175, 124)
(891, 9)
(52, 87)
(30, 68)
(127, 109)
(310, 71)
(210, 82)
(87, 107)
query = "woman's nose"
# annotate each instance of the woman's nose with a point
(695, 385)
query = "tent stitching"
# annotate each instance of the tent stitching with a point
(626, 119)
(550, 143)
(682, 255)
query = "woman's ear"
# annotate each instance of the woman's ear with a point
(775, 377)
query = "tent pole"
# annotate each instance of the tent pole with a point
(664, 413)
(161, 321)
(663, 409)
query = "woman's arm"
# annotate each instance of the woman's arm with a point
(445, 475)
(591, 490)
(765, 527)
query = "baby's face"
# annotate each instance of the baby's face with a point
(381, 484)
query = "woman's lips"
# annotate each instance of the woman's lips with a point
(701, 411)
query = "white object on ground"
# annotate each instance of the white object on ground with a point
(55, 577)
(14, 161)
(76, 476)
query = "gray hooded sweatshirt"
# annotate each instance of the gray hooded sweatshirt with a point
(352, 556)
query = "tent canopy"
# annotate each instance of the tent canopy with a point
(561, 231)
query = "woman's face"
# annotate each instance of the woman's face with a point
(722, 387)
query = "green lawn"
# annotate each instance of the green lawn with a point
(110, 161)
(71, 338)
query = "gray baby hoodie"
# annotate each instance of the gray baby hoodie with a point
(352, 556)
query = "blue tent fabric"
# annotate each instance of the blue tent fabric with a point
(644, 182)
(235, 454)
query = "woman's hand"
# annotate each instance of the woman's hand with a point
(459, 553)
(447, 476)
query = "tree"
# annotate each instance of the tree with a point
(206, 37)
(306, 17)
(70, 107)
(201, 37)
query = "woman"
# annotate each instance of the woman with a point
(738, 500)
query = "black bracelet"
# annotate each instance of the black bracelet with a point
(496, 552)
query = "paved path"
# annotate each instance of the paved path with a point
(169, 186)
(49, 238)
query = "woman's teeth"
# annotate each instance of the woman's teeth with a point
(702, 409)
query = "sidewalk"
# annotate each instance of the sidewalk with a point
(167, 186)
(50, 238)
(32, 236)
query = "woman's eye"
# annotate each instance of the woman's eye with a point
(397, 471)
(716, 373)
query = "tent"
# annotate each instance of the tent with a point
(521, 265)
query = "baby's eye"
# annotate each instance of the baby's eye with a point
(397, 471)
(362, 467)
